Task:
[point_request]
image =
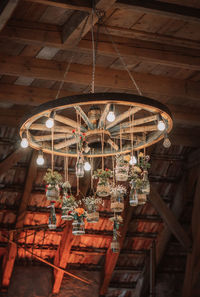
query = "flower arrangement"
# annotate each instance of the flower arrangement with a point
(92, 202)
(122, 160)
(81, 139)
(143, 161)
(66, 186)
(103, 174)
(52, 177)
(69, 201)
(79, 213)
(118, 190)
(117, 220)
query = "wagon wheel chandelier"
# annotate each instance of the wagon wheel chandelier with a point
(114, 126)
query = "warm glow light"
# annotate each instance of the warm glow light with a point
(166, 142)
(24, 142)
(49, 123)
(111, 116)
(161, 126)
(133, 160)
(87, 166)
(40, 159)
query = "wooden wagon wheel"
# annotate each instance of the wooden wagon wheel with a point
(143, 128)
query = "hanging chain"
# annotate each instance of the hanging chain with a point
(93, 53)
(71, 59)
(122, 60)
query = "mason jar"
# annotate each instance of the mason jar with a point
(78, 227)
(103, 187)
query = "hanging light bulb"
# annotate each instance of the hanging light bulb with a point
(166, 142)
(50, 122)
(24, 141)
(111, 115)
(40, 159)
(161, 124)
(133, 160)
(87, 166)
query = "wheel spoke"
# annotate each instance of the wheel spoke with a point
(84, 116)
(138, 129)
(49, 137)
(103, 116)
(134, 123)
(112, 144)
(66, 143)
(68, 122)
(123, 116)
(41, 127)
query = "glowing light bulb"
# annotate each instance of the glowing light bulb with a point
(166, 142)
(49, 123)
(133, 160)
(40, 159)
(87, 166)
(24, 142)
(161, 126)
(111, 116)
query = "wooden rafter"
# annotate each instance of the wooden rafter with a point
(62, 256)
(170, 219)
(30, 178)
(184, 13)
(81, 22)
(150, 36)
(63, 252)
(11, 160)
(12, 249)
(145, 51)
(63, 4)
(112, 258)
(7, 8)
(164, 236)
(159, 8)
(50, 70)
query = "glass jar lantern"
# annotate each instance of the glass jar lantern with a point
(52, 218)
(78, 227)
(121, 172)
(80, 168)
(103, 187)
(142, 198)
(146, 184)
(66, 213)
(115, 246)
(133, 197)
(92, 216)
(117, 202)
(52, 193)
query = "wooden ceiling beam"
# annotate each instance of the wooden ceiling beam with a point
(11, 160)
(30, 178)
(170, 219)
(30, 33)
(83, 6)
(7, 8)
(80, 22)
(115, 79)
(62, 256)
(149, 36)
(112, 258)
(183, 13)
(12, 249)
(63, 252)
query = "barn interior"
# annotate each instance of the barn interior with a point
(53, 49)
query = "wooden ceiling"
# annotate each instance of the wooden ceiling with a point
(160, 44)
